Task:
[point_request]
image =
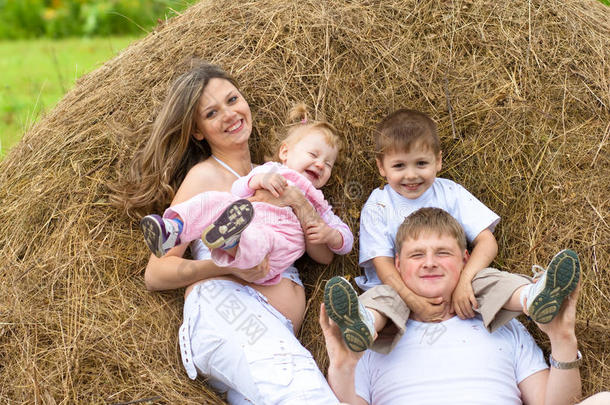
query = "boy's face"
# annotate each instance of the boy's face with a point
(430, 265)
(410, 173)
(312, 157)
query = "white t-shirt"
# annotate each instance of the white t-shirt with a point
(385, 210)
(451, 362)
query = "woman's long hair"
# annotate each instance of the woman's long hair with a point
(157, 170)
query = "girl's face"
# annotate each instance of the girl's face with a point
(223, 116)
(311, 156)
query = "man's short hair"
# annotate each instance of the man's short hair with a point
(404, 129)
(430, 220)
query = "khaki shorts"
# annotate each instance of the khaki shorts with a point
(492, 288)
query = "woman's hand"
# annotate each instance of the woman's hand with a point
(275, 183)
(253, 274)
(288, 198)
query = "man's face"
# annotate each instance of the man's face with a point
(430, 265)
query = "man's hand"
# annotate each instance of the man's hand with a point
(428, 309)
(463, 300)
(338, 352)
(318, 232)
(563, 325)
(255, 273)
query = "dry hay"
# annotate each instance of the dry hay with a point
(521, 94)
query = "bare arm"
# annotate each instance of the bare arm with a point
(172, 270)
(342, 362)
(428, 309)
(484, 251)
(555, 386)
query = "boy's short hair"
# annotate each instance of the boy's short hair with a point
(403, 129)
(430, 220)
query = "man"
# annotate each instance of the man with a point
(454, 361)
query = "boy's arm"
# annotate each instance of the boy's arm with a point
(429, 309)
(484, 251)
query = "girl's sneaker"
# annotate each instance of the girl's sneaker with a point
(545, 296)
(224, 233)
(356, 323)
(160, 234)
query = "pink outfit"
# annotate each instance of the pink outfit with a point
(274, 231)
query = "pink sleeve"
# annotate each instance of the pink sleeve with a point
(335, 222)
(241, 187)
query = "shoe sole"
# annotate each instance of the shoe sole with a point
(230, 224)
(341, 304)
(562, 276)
(152, 235)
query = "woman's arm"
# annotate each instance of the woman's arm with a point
(172, 270)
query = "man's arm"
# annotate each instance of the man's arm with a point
(342, 362)
(429, 309)
(557, 386)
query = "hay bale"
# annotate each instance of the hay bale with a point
(520, 91)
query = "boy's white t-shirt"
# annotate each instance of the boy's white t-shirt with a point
(385, 210)
(451, 362)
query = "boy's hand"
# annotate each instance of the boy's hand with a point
(428, 309)
(275, 183)
(318, 232)
(463, 300)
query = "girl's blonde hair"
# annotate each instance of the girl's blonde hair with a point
(157, 170)
(299, 125)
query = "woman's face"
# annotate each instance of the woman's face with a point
(223, 116)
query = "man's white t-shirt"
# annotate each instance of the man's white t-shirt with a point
(451, 362)
(385, 210)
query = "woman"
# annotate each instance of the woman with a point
(241, 335)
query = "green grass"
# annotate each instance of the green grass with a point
(37, 73)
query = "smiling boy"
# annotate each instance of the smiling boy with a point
(408, 155)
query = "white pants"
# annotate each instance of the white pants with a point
(232, 335)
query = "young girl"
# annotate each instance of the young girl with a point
(241, 234)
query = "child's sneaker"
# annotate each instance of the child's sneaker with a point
(160, 234)
(224, 233)
(355, 321)
(553, 285)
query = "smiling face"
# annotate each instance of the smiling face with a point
(223, 117)
(410, 173)
(430, 265)
(311, 156)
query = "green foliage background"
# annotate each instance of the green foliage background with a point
(70, 18)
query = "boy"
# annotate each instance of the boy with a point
(408, 155)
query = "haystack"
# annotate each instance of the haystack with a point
(520, 91)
